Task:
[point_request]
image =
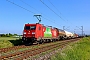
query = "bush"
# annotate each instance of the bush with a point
(5, 44)
(16, 42)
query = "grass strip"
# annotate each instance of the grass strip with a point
(77, 51)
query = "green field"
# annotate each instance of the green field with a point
(9, 42)
(76, 51)
(8, 38)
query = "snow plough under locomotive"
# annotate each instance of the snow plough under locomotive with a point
(38, 33)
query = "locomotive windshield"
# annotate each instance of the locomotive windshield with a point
(30, 27)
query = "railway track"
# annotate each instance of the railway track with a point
(20, 55)
(12, 48)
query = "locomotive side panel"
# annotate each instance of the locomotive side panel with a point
(47, 32)
(39, 31)
(55, 33)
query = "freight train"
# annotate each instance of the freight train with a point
(38, 33)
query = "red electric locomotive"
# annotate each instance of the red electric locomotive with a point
(39, 33)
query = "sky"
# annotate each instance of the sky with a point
(72, 14)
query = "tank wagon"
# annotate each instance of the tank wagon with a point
(75, 35)
(62, 34)
(68, 35)
(39, 33)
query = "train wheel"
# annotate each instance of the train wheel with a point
(37, 42)
(51, 40)
(41, 41)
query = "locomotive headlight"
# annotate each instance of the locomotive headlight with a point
(33, 32)
(24, 33)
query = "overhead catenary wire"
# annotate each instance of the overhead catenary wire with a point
(39, 12)
(51, 10)
(20, 6)
(56, 9)
(29, 5)
(51, 21)
(27, 9)
(53, 6)
(60, 12)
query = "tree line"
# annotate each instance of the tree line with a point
(8, 35)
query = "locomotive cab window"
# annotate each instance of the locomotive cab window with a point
(27, 27)
(30, 27)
